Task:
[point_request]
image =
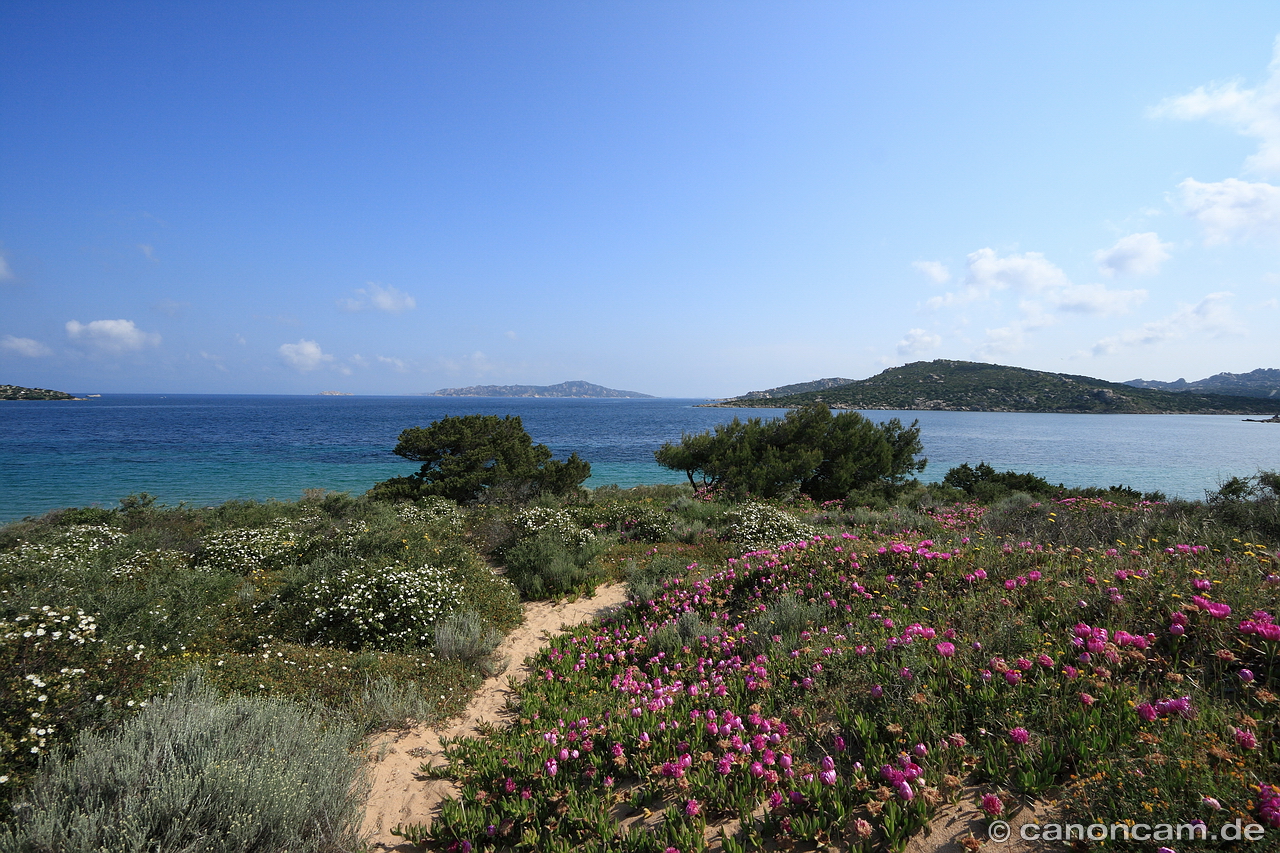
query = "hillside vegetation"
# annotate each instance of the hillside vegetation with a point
(17, 392)
(967, 386)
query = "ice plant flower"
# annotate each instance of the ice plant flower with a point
(1020, 736)
(992, 805)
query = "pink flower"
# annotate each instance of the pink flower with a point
(946, 649)
(992, 805)
(1246, 739)
(692, 808)
(1020, 736)
(1086, 700)
(1147, 712)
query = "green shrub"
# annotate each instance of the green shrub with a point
(543, 566)
(197, 772)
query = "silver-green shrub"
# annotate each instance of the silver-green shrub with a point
(466, 637)
(194, 772)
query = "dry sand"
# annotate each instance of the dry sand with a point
(401, 794)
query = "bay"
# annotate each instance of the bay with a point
(205, 450)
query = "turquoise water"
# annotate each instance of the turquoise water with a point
(209, 449)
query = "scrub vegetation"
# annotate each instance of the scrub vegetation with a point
(787, 673)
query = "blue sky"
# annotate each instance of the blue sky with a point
(684, 199)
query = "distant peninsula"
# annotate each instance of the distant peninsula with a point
(967, 386)
(564, 389)
(17, 392)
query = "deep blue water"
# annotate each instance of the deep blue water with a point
(208, 449)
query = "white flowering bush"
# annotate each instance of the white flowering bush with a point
(247, 550)
(437, 512)
(537, 519)
(71, 548)
(758, 526)
(55, 673)
(141, 563)
(364, 605)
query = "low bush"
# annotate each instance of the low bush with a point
(465, 637)
(194, 771)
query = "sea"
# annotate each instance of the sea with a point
(203, 450)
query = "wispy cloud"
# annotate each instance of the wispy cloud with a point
(28, 347)
(935, 271)
(1137, 254)
(1250, 112)
(1038, 283)
(1212, 315)
(375, 296)
(305, 355)
(114, 336)
(395, 363)
(171, 307)
(917, 342)
(6, 272)
(148, 251)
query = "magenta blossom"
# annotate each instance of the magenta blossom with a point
(946, 649)
(992, 805)
(1020, 736)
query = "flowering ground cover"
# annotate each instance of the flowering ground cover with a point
(840, 688)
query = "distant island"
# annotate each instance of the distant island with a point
(967, 386)
(335, 394)
(564, 389)
(17, 392)
(1263, 382)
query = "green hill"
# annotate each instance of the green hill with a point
(17, 392)
(967, 386)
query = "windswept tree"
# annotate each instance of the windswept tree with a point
(480, 458)
(822, 455)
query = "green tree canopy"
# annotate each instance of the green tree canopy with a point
(480, 458)
(823, 455)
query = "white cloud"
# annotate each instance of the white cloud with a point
(148, 251)
(918, 342)
(1137, 254)
(394, 362)
(935, 271)
(1013, 337)
(6, 273)
(988, 273)
(29, 347)
(112, 335)
(304, 355)
(1232, 209)
(1250, 112)
(380, 298)
(1096, 299)
(1211, 315)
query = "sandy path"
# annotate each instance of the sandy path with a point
(400, 793)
